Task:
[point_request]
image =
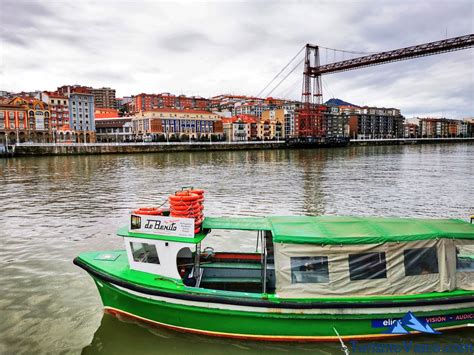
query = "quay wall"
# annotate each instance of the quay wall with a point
(409, 141)
(91, 148)
(127, 148)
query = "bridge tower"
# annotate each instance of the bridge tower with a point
(309, 118)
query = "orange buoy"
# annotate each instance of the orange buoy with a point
(184, 198)
(188, 204)
(151, 211)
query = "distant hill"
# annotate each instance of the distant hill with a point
(338, 102)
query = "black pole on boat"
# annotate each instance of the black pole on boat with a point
(472, 218)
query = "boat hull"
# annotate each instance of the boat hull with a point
(272, 324)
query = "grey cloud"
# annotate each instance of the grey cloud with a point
(185, 41)
(235, 47)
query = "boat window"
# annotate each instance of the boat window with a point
(420, 261)
(311, 269)
(144, 253)
(464, 260)
(367, 266)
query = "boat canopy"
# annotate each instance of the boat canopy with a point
(365, 230)
(337, 230)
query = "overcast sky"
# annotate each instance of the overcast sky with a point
(210, 48)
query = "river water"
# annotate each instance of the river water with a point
(53, 208)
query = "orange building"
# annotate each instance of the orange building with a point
(25, 119)
(105, 113)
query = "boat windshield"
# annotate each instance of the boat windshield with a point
(247, 267)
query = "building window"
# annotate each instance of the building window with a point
(420, 261)
(367, 266)
(310, 269)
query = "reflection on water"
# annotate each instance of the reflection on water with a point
(148, 340)
(54, 208)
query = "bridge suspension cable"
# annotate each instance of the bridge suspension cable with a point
(281, 71)
(285, 77)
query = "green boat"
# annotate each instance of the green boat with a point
(321, 278)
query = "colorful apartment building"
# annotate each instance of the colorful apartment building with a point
(438, 127)
(174, 123)
(13, 123)
(25, 119)
(58, 106)
(276, 124)
(81, 111)
(240, 128)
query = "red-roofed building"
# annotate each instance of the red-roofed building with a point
(59, 108)
(106, 113)
(240, 128)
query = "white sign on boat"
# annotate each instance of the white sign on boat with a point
(162, 225)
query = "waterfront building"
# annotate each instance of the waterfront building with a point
(280, 121)
(13, 124)
(466, 127)
(240, 128)
(438, 127)
(335, 123)
(26, 119)
(410, 130)
(59, 108)
(104, 97)
(81, 111)
(375, 122)
(116, 129)
(174, 123)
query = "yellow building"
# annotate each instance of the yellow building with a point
(272, 124)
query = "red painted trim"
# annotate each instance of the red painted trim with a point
(242, 256)
(118, 313)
